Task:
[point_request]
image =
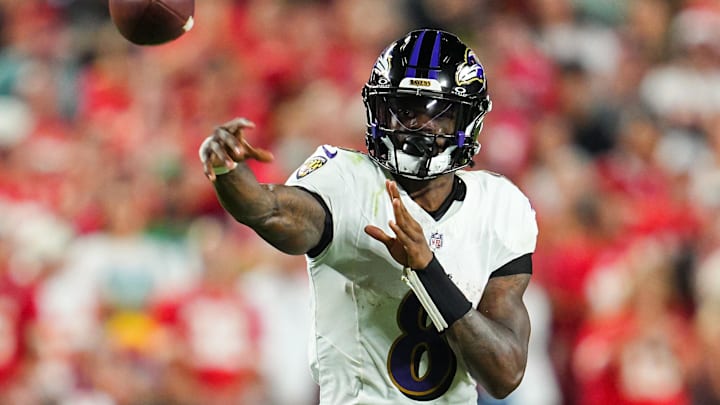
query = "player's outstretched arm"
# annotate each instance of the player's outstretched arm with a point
(288, 218)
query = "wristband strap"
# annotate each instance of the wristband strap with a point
(441, 298)
(219, 170)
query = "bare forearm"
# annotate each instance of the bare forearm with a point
(240, 194)
(286, 217)
(494, 354)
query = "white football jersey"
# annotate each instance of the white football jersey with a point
(371, 341)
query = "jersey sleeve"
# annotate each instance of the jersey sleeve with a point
(324, 174)
(515, 225)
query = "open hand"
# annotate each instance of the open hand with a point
(408, 247)
(227, 147)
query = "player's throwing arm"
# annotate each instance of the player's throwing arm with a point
(288, 218)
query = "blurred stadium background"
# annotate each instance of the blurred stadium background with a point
(123, 282)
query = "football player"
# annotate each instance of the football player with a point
(417, 267)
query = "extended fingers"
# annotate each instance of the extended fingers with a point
(237, 146)
(205, 152)
(231, 133)
(230, 137)
(237, 124)
(392, 189)
(221, 153)
(211, 155)
(221, 149)
(402, 216)
(261, 155)
(407, 228)
(408, 233)
(400, 234)
(230, 142)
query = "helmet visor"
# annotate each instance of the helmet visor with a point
(410, 113)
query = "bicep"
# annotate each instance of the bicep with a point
(298, 222)
(502, 302)
(494, 340)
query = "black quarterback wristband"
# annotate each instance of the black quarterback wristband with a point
(447, 297)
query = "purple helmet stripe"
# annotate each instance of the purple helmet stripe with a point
(410, 72)
(435, 57)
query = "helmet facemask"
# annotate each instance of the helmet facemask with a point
(422, 136)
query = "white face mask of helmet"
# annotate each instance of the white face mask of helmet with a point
(425, 101)
(421, 140)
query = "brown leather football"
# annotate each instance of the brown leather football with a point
(152, 22)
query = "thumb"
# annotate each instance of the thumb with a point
(378, 234)
(261, 155)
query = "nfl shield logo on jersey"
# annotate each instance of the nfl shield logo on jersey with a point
(436, 241)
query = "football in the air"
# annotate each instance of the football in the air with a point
(152, 22)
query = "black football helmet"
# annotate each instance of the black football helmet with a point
(425, 102)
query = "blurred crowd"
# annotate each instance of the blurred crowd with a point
(122, 281)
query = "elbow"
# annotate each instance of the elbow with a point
(501, 392)
(280, 235)
(500, 388)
